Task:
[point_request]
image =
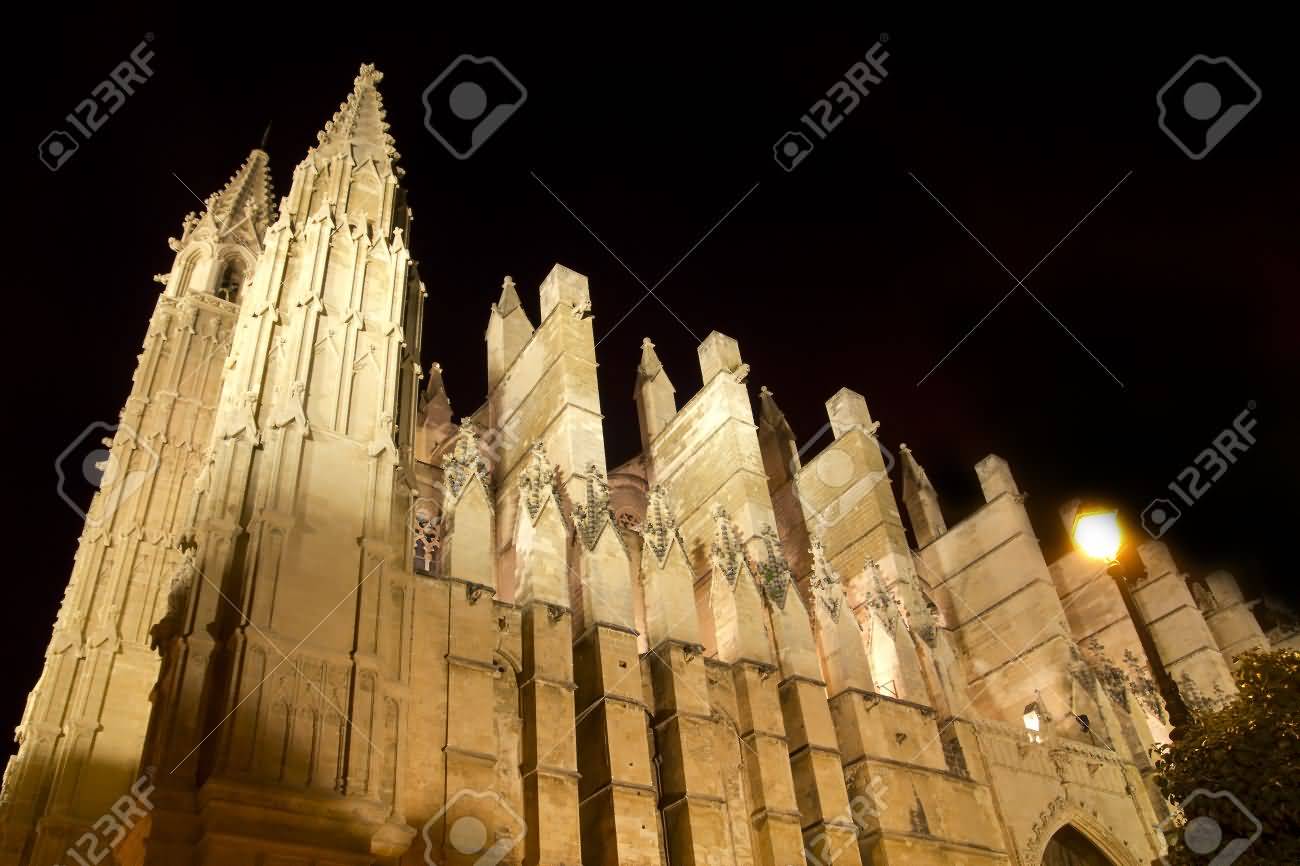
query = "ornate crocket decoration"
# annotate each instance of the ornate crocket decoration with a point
(660, 526)
(465, 460)
(880, 599)
(773, 570)
(825, 582)
(537, 480)
(727, 552)
(590, 517)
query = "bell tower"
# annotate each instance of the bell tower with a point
(82, 730)
(276, 716)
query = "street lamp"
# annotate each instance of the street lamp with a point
(1097, 534)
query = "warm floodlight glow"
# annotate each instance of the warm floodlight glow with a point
(1033, 721)
(1097, 534)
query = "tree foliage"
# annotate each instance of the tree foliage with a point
(1249, 748)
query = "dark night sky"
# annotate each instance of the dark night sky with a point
(844, 272)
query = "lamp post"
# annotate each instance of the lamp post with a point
(1096, 533)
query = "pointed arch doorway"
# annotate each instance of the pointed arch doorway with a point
(1069, 847)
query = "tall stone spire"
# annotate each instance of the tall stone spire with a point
(84, 726)
(655, 402)
(776, 442)
(248, 195)
(217, 247)
(508, 331)
(921, 501)
(319, 396)
(359, 129)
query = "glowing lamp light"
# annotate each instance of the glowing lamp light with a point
(1097, 534)
(1033, 719)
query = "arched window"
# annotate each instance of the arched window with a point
(231, 281)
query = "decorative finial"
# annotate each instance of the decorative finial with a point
(660, 526)
(590, 518)
(537, 481)
(773, 571)
(465, 460)
(727, 551)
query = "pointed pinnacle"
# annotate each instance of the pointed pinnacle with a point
(360, 123)
(650, 363)
(509, 300)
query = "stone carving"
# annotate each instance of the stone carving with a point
(591, 517)
(242, 420)
(465, 461)
(537, 480)
(660, 527)
(881, 601)
(727, 552)
(773, 570)
(1038, 833)
(292, 409)
(383, 439)
(824, 581)
(427, 541)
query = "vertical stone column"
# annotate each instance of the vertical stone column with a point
(829, 831)
(1184, 642)
(691, 792)
(86, 719)
(549, 769)
(471, 751)
(921, 501)
(1230, 619)
(619, 810)
(850, 685)
(743, 642)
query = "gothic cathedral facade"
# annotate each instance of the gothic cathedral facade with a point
(312, 621)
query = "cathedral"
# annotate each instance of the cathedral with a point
(317, 619)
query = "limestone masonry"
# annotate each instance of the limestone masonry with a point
(313, 621)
